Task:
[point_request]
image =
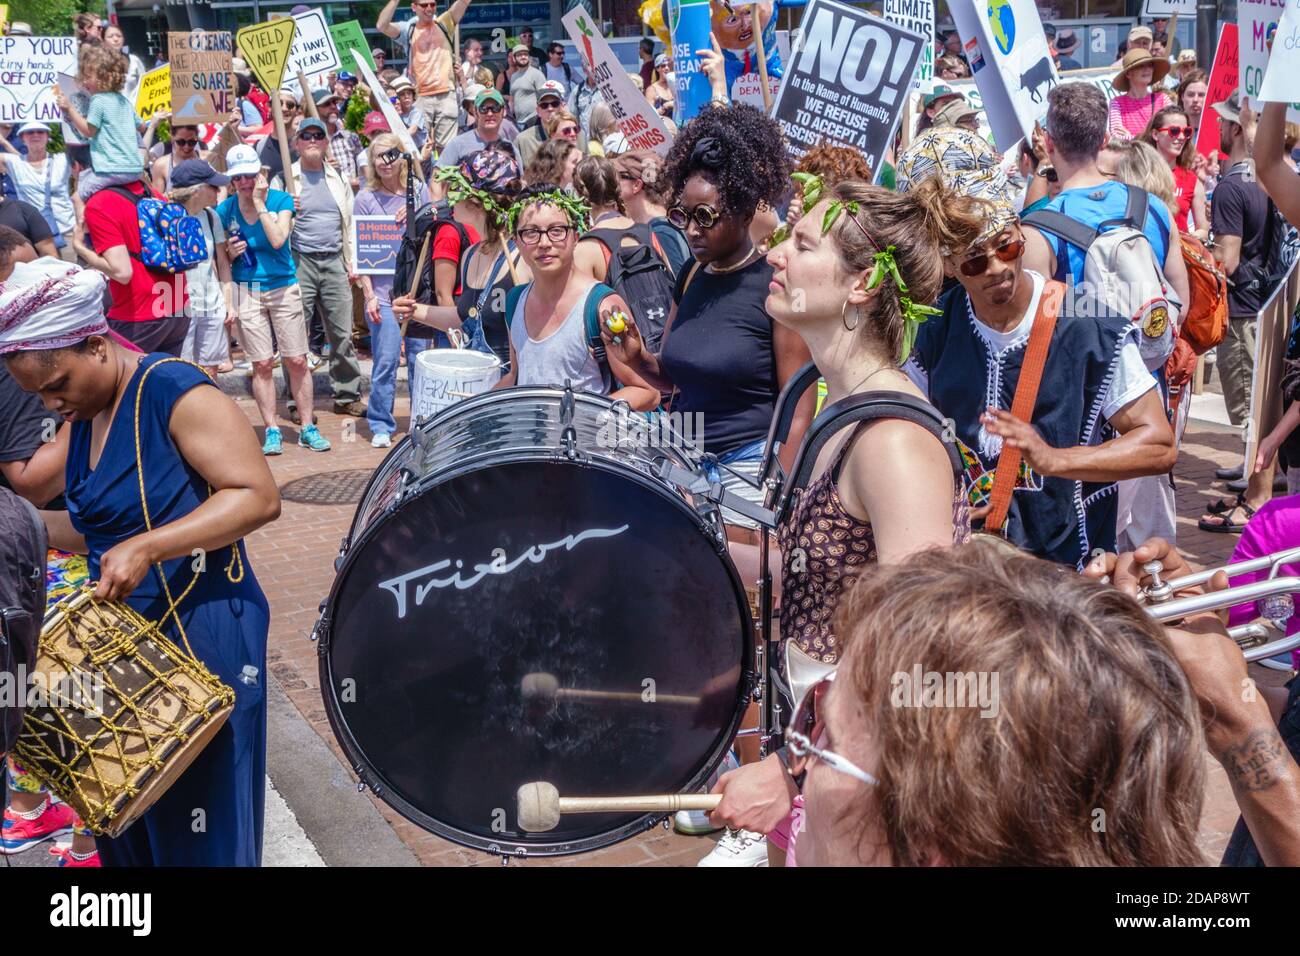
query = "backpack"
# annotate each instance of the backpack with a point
(1283, 244)
(171, 240)
(1205, 320)
(640, 275)
(428, 219)
(22, 604)
(597, 294)
(1121, 271)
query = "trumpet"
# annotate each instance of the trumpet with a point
(1272, 597)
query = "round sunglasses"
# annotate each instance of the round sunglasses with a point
(704, 215)
(1007, 252)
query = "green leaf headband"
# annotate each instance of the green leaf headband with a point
(459, 189)
(885, 264)
(573, 207)
(810, 192)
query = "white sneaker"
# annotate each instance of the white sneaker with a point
(381, 440)
(738, 848)
(694, 823)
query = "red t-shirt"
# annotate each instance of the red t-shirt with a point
(446, 245)
(1184, 191)
(111, 220)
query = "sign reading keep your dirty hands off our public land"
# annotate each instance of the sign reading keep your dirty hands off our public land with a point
(847, 81)
(29, 69)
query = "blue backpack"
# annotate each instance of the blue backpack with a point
(171, 240)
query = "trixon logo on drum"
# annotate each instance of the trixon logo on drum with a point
(76, 909)
(498, 565)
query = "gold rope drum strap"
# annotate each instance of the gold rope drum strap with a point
(234, 570)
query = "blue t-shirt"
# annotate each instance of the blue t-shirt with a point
(1093, 205)
(275, 268)
(114, 148)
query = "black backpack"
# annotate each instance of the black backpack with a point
(22, 604)
(1281, 251)
(640, 275)
(428, 219)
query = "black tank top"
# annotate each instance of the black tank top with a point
(490, 308)
(718, 354)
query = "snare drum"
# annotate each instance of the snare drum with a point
(125, 712)
(521, 598)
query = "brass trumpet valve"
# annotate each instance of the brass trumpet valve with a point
(1159, 590)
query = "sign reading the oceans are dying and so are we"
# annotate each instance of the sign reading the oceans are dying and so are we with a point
(640, 125)
(202, 83)
(847, 81)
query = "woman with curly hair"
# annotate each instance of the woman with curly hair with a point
(1173, 136)
(554, 163)
(721, 357)
(109, 123)
(551, 319)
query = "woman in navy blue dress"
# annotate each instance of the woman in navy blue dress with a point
(207, 486)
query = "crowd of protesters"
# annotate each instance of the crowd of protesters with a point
(936, 277)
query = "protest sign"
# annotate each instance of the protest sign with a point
(313, 50)
(1282, 79)
(1223, 80)
(202, 84)
(29, 69)
(847, 81)
(688, 22)
(154, 92)
(917, 16)
(636, 119)
(265, 48)
(348, 37)
(1010, 62)
(1154, 9)
(4, 15)
(80, 99)
(390, 113)
(377, 240)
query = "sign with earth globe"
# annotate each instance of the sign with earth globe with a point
(1002, 23)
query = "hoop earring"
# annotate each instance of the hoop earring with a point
(857, 317)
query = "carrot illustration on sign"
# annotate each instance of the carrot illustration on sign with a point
(587, 33)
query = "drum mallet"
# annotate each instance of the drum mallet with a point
(547, 687)
(540, 805)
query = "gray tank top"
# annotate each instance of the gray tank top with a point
(561, 356)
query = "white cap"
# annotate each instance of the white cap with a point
(242, 161)
(471, 91)
(551, 88)
(33, 127)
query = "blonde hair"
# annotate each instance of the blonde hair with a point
(561, 116)
(105, 66)
(382, 143)
(1138, 164)
(1094, 719)
(183, 194)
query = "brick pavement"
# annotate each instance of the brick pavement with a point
(293, 559)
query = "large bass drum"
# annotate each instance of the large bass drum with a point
(521, 598)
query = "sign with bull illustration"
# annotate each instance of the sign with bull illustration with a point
(1011, 64)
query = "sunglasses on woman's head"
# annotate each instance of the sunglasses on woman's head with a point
(705, 216)
(1177, 132)
(1009, 251)
(807, 730)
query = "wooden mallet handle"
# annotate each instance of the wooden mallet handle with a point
(540, 805)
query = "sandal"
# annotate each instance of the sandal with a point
(1222, 505)
(1225, 523)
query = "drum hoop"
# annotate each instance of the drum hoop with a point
(372, 777)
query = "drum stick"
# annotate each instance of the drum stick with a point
(547, 686)
(510, 264)
(540, 805)
(762, 55)
(415, 283)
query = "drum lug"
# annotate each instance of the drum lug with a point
(343, 550)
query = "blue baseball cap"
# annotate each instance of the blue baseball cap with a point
(310, 123)
(192, 172)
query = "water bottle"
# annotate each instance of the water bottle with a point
(246, 259)
(248, 675)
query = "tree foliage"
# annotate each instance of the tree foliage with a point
(53, 18)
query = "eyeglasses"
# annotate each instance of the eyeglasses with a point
(489, 108)
(1007, 252)
(289, 106)
(236, 177)
(1176, 132)
(531, 235)
(705, 216)
(312, 136)
(571, 131)
(186, 142)
(806, 729)
(549, 105)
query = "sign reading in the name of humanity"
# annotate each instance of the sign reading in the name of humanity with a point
(847, 81)
(265, 48)
(378, 239)
(154, 92)
(1281, 82)
(313, 50)
(636, 119)
(202, 84)
(1007, 50)
(1257, 24)
(29, 69)
(917, 16)
(1223, 80)
(348, 37)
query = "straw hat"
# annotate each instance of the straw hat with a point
(1136, 58)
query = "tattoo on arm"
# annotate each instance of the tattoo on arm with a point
(1254, 764)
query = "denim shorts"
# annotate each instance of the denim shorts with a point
(743, 462)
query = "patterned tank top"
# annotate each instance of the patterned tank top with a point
(823, 548)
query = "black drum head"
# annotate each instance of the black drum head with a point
(535, 621)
